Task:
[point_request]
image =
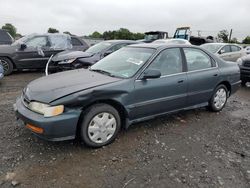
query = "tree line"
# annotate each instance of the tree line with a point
(122, 33)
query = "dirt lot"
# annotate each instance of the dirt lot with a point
(192, 149)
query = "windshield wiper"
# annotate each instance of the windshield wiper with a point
(103, 72)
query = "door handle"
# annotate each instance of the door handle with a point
(215, 75)
(180, 81)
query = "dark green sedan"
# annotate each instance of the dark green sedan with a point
(136, 83)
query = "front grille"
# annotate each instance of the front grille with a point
(247, 64)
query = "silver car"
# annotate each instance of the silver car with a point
(172, 41)
(228, 52)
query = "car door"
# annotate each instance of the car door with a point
(78, 44)
(167, 93)
(237, 52)
(226, 53)
(34, 52)
(202, 76)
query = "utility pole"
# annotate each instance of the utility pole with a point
(230, 35)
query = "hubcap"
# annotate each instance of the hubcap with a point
(102, 127)
(5, 65)
(220, 98)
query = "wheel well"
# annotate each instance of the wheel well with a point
(227, 84)
(14, 66)
(120, 109)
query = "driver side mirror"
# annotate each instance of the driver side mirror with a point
(23, 46)
(222, 51)
(151, 73)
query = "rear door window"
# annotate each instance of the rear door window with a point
(197, 59)
(235, 48)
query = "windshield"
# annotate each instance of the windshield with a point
(213, 48)
(23, 39)
(125, 62)
(98, 47)
(151, 37)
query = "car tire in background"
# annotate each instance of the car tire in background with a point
(7, 65)
(219, 98)
(100, 125)
(243, 83)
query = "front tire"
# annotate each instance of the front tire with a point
(219, 98)
(7, 65)
(100, 125)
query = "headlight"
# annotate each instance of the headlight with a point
(239, 61)
(45, 109)
(67, 61)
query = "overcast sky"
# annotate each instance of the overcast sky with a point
(83, 17)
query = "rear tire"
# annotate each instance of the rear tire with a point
(219, 98)
(100, 125)
(7, 65)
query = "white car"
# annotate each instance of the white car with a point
(172, 41)
(228, 52)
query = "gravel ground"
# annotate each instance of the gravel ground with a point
(195, 148)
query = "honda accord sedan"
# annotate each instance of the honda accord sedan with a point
(133, 84)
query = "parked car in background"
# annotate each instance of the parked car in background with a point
(33, 51)
(244, 64)
(1, 71)
(228, 52)
(133, 84)
(5, 37)
(186, 33)
(154, 35)
(172, 41)
(70, 59)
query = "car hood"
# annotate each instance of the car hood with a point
(7, 49)
(71, 55)
(52, 87)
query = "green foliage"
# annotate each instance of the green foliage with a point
(96, 34)
(246, 40)
(122, 33)
(234, 40)
(11, 29)
(52, 30)
(223, 35)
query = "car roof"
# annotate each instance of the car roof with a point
(159, 45)
(121, 41)
(220, 43)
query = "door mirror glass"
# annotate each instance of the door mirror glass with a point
(23, 46)
(151, 73)
(222, 51)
